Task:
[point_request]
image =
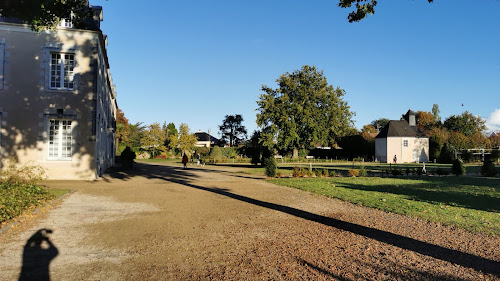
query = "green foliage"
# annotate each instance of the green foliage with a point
(446, 155)
(185, 141)
(127, 158)
(17, 197)
(396, 172)
(332, 173)
(467, 156)
(466, 123)
(303, 111)
(495, 155)
(153, 139)
(216, 154)
(296, 173)
(303, 153)
(232, 131)
(458, 167)
(270, 167)
(20, 190)
(318, 173)
(442, 171)
(255, 149)
(135, 135)
(380, 123)
(363, 172)
(46, 14)
(488, 169)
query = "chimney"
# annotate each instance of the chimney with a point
(410, 118)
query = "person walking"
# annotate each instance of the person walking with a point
(395, 159)
(184, 160)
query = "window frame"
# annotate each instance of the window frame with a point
(62, 67)
(405, 143)
(60, 139)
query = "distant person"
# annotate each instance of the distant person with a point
(185, 160)
(395, 159)
(197, 160)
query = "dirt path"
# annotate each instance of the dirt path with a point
(160, 222)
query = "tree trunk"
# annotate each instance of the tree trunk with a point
(295, 153)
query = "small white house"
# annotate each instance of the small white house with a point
(402, 138)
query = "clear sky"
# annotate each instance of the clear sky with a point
(196, 61)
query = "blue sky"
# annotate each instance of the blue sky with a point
(196, 61)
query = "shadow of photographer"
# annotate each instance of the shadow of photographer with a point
(37, 255)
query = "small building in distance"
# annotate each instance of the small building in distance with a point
(57, 98)
(206, 140)
(402, 138)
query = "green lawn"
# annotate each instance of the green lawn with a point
(472, 203)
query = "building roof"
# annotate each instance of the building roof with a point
(202, 136)
(399, 128)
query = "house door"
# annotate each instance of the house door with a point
(415, 156)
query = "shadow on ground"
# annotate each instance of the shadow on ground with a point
(180, 176)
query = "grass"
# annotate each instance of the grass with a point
(472, 203)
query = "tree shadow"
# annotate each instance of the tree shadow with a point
(439, 192)
(38, 253)
(184, 177)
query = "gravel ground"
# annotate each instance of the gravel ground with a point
(160, 222)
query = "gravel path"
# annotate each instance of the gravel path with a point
(160, 222)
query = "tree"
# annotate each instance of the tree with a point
(153, 139)
(425, 121)
(466, 123)
(435, 114)
(363, 7)
(367, 131)
(170, 130)
(46, 14)
(232, 130)
(185, 140)
(254, 149)
(136, 133)
(122, 127)
(380, 123)
(303, 112)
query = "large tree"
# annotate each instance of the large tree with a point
(122, 127)
(466, 123)
(184, 141)
(303, 112)
(380, 123)
(46, 14)
(363, 8)
(136, 134)
(232, 131)
(153, 139)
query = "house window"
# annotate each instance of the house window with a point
(66, 23)
(405, 143)
(62, 71)
(60, 139)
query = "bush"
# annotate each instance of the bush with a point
(442, 172)
(354, 173)
(332, 173)
(296, 173)
(458, 167)
(324, 172)
(270, 166)
(396, 172)
(318, 172)
(446, 155)
(488, 169)
(127, 158)
(467, 156)
(25, 174)
(495, 155)
(216, 154)
(307, 172)
(363, 172)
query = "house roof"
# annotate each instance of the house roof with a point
(399, 128)
(202, 136)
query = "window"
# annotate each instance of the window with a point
(405, 143)
(66, 23)
(62, 71)
(60, 139)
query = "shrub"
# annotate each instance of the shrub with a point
(324, 172)
(396, 172)
(408, 171)
(442, 172)
(495, 155)
(363, 172)
(279, 174)
(318, 173)
(332, 173)
(25, 174)
(270, 166)
(354, 172)
(216, 154)
(307, 172)
(296, 173)
(458, 167)
(467, 156)
(446, 155)
(127, 158)
(488, 169)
